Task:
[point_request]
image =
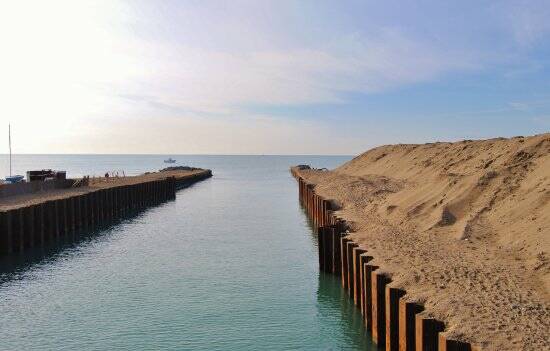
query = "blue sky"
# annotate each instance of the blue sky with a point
(270, 77)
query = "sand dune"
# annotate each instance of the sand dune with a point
(464, 227)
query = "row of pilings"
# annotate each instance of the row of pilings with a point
(60, 220)
(393, 322)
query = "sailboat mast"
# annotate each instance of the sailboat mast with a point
(9, 137)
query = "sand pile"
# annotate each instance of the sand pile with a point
(464, 227)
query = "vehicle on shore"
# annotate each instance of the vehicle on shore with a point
(15, 179)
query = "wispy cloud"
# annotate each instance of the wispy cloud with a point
(210, 80)
(88, 71)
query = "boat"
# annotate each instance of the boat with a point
(12, 178)
(170, 160)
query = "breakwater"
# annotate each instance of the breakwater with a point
(41, 223)
(393, 321)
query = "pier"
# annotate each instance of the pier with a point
(392, 320)
(42, 218)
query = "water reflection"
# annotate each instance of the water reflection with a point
(14, 266)
(331, 297)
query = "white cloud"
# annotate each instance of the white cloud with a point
(78, 71)
(201, 79)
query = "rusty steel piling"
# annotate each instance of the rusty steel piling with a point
(393, 322)
(59, 220)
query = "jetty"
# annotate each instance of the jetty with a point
(428, 235)
(389, 317)
(36, 214)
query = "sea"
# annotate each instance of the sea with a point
(230, 264)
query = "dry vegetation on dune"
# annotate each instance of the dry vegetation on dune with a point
(464, 227)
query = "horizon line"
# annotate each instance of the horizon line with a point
(138, 154)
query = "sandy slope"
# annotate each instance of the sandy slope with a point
(464, 227)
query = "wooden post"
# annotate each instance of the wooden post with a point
(368, 269)
(158, 191)
(118, 209)
(407, 333)
(61, 217)
(344, 261)
(324, 212)
(114, 205)
(85, 212)
(122, 201)
(173, 193)
(99, 208)
(107, 206)
(78, 205)
(328, 246)
(351, 282)
(378, 282)
(103, 209)
(320, 248)
(39, 224)
(142, 195)
(146, 192)
(392, 317)
(427, 330)
(364, 260)
(132, 190)
(92, 210)
(127, 199)
(50, 221)
(336, 250)
(28, 226)
(7, 232)
(18, 226)
(357, 288)
(70, 215)
(76, 213)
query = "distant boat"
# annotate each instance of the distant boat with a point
(170, 160)
(12, 178)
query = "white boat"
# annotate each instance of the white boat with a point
(170, 160)
(12, 178)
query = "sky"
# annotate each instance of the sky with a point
(269, 77)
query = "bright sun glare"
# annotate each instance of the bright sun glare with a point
(62, 59)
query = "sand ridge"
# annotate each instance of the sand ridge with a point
(464, 227)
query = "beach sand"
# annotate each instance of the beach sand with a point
(464, 227)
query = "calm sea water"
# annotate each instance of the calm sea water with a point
(231, 264)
